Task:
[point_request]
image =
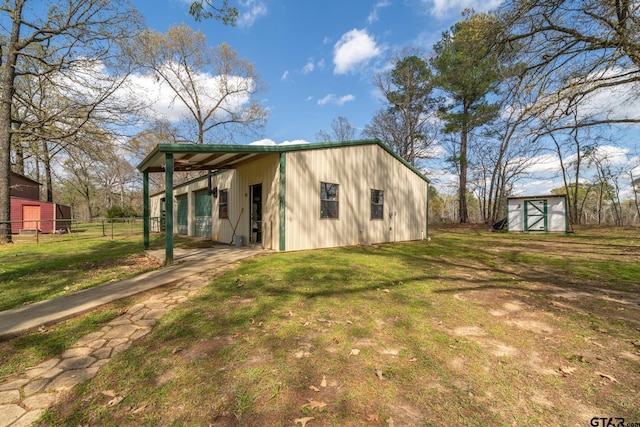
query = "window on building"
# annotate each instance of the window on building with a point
(223, 204)
(328, 200)
(377, 204)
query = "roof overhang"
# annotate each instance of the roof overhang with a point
(192, 157)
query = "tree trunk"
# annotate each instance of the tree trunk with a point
(46, 160)
(5, 122)
(19, 166)
(463, 213)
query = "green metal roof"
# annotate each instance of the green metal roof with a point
(189, 157)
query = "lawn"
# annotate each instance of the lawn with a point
(33, 271)
(470, 328)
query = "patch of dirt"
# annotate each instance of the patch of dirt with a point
(205, 348)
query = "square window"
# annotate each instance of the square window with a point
(328, 200)
(377, 204)
(223, 204)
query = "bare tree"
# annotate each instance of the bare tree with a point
(214, 85)
(587, 46)
(406, 124)
(341, 130)
(58, 39)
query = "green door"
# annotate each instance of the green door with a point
(535, 215)
(183, 214)
(203, 214)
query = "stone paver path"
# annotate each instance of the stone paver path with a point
(23, 400)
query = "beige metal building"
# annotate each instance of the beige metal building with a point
(291, 197)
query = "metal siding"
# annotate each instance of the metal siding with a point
(182, 217)
(203, 214)
(515, 215)
(222, 228)
(23, 188)
(46, 214)
(263, 171)
(556, 213)
(357, 169)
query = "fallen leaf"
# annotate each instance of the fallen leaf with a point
(567, 370)
(386, 291)
(390, 422)
(176, 350)
(609, 377)
(140, 409)
(109, 393)
(303, 421)
(314, 388)
(379, 374)
(413, 359)
(115, 401)
(323, 384)
(313, 404)
(372, 417)
(354, 352)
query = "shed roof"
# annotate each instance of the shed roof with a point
(548, 196)
(190, 157)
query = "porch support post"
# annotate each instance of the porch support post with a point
(168, 191)
(146, 221)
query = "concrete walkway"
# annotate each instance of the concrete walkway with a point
(30, 317)
(24, 399)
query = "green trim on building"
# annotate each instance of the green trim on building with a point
(283, 200)
(258, 149)
(537, 215)
(566, 216)
(426, 233)
(146, 220)
(169, 209)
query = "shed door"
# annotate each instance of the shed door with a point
(183, 214)
(203, 214)
(535, 215)
(30, 216)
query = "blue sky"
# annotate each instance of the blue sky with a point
(318, 57)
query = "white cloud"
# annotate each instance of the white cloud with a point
(616, 102)
(445, 8)
(546, 163)
(373, 16)
(285, 75)
(271, 142)
(254, 10)
(308, 68)
(166, 105)
(354, 48)
(333, 99)
(295, 142)
(265, 141)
